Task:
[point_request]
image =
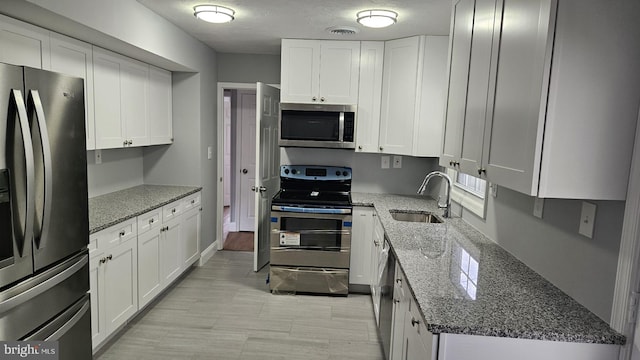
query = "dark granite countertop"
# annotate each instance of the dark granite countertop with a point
(110, 209)
(465, 283)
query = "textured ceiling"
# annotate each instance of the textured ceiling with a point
(260, 24)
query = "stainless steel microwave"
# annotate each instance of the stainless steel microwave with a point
(317, 125)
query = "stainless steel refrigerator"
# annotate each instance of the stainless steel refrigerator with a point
(44, 227)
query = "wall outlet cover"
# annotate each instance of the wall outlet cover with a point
(538, 206)
(587, 219)
(397, 161)
(98, 157)
(494, 189)
(385, 162)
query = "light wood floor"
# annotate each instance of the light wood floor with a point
(224, 310)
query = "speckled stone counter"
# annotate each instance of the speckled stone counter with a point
(110, 209)
(506, 298)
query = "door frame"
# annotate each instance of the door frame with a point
(222, 86)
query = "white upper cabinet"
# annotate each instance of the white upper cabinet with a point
(413, 92)
(24, 44)
(369, 96)
(320, 71)
(159, 107)
(121, 89)
(562, 100)
(75, 58)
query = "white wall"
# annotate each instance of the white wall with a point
(249, 68)
(583, 268)
(120, 169)
(367, 174)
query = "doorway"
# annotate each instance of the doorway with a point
(236, 164)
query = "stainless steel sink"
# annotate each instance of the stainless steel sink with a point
(421, 216)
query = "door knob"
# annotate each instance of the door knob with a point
(253, 188)
(244, 171)
(262, 189)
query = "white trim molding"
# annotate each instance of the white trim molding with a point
(222, 86)
(207, 253)
(625, 304)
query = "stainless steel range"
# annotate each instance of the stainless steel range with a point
(311, 230)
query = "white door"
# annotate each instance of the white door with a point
(267, 159)
(247, 151)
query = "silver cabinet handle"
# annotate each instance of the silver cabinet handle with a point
(122, 233)
(381, 148)
(414, 322)
(173, 211)
(110, 257)
(41, 238)
(314, 99)
(151, 221)
(193, 201)
(103, 260)
(322, 99)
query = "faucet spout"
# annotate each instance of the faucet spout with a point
(447, 205)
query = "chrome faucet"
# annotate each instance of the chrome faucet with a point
(447, 205)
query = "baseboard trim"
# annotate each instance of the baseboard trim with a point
(208, 253)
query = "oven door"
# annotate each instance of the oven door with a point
(310, 237)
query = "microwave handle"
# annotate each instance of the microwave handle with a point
(341, 126)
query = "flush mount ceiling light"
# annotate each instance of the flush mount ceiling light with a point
(213, 13)
(377, 18)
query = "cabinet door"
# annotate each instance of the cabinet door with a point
(369, 96)
(518, 91)
(120, 284)
(110, 132)
(134, 98)
(191, 237)
(418, 342)
(149, 279)
(97, 291)
(300, 71)
(75, 58)
(378, 261)
(459, 59)
(361, 244)
(171, 251)
(431, 94)
(24, 44)
(160, 107)
(400, 308)
(477, 92)
(399, 85)
(339, 72)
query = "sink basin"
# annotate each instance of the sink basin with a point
(420, 216)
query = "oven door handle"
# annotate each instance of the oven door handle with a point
(295, 209)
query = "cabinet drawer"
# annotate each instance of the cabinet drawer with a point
(117, 234)
(190, 202)
(149, 220)
(171, 211)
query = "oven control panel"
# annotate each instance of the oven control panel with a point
(309, 172)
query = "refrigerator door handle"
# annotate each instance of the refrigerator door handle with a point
(41, 285)
(45, 200)
(48, 335)
(27, 232)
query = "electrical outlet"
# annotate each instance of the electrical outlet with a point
(98, 154)
(397, 161)
(209, 152)
(587, 219)
(494, 189)
(384, 162)
(538, 206)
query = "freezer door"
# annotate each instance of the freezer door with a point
(16, 179)
(55, 107)
(33, 302)
(72, 331)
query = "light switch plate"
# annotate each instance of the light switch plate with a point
(397, 161)
(587, 219)
(98, 157)
(209, 153)
(384, 162)
(538, 206)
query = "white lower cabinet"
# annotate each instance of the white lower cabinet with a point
(361, 246)
(113, 284)
(170, 251)
(132, 262)
(418, 342)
